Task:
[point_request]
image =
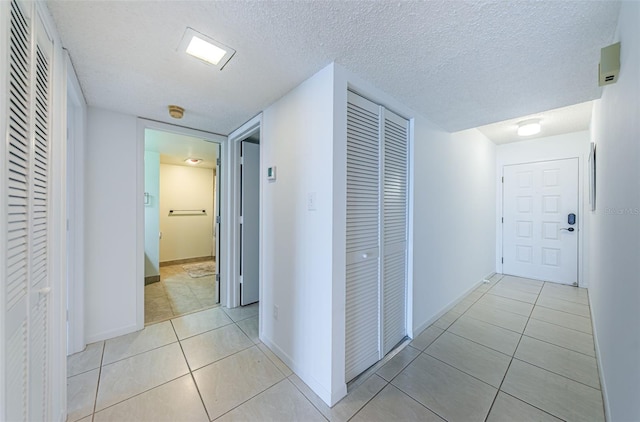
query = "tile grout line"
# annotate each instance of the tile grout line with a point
(557, 345)
(555, 373)
(95, 400)
(206, 411)
(512, 358)
(372, 397)
(305, 396)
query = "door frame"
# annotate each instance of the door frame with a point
(75, 141)
(222, 140)
(232, 297)
(581, 210)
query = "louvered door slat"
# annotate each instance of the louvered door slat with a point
(394, 228)
(26, 158)
(39, 270)
(362, 236)
(16, 160)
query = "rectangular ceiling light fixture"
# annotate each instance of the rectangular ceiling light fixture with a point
(206, 49)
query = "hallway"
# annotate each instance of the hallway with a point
(513, 349)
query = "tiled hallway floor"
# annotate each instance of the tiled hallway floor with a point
(177, 294)
(512, 350)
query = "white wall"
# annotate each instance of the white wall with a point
(614, 258)
(186, 188)
(152, 214)
(454, 217)
(453, 183)
(110, 224)
(297, 134)
(570, 145)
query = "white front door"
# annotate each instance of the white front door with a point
(540, 227)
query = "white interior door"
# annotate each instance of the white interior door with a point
(539, 240)
(362, 313)
(249, 222)
(25, 189)
(216, 224)
(394, 230)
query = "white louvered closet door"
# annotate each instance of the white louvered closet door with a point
(394, 229)
(377, 163)
(26, 192)
(363, 241)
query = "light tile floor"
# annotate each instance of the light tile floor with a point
(177, 294)
(512, 350)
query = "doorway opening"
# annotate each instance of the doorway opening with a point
(181, 230)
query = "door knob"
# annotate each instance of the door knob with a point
(570, 229)
(44, 291)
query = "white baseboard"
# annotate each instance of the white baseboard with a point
(603, 383)
(326, 396)
(450, 306)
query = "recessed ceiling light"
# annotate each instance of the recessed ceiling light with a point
(529, 127)
(206, 49)
(193, 161)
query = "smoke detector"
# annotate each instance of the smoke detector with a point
(176, 111)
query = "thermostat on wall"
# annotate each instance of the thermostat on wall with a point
(271, 173)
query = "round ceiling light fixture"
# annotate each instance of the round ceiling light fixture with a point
(529, 127)
(193, 161)
(176, 111)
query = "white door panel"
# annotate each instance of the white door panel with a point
(537, 240)
(25, 218)
(376, 233)
(250, 197)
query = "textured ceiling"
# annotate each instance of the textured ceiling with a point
(553, 122)
(462, 64)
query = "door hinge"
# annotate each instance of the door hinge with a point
(502, 179)
(241, 160)
(218, 220)
(502, 220)
(218, 162)
(217, 278)
(502, 260)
